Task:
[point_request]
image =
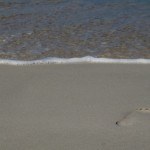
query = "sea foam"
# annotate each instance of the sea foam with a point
(86, 59)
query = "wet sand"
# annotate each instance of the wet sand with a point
(75, 107)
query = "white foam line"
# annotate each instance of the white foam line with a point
(87, 59)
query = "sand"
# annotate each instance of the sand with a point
(75, 107)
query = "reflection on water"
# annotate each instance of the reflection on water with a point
(34, 29)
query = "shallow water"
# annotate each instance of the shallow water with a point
(36, 29)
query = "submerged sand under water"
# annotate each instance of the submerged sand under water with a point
(31, 30)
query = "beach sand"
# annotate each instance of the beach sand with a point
(75, 107)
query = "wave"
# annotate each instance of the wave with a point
(86, 59)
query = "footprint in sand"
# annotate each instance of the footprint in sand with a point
(140, 116)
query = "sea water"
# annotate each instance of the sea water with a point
(33, 30)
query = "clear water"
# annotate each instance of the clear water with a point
(36, 29)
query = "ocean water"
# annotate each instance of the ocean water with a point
(39, 29)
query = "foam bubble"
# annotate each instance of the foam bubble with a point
(86, 59)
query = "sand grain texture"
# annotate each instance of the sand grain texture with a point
(74, 107)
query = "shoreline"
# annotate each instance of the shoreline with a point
(86, 59)
(74, 106)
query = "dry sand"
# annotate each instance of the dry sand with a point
(75, 107)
